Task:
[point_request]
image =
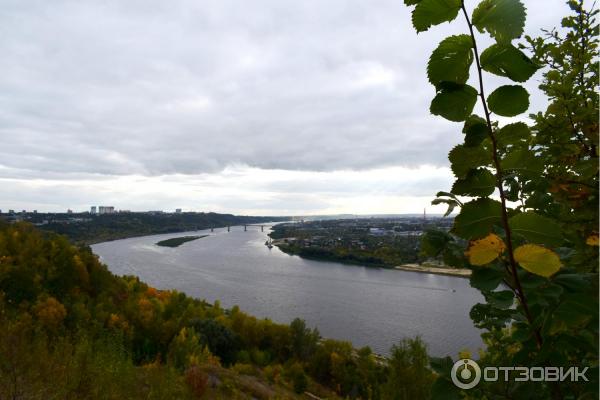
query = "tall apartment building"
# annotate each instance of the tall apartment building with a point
(106, 210)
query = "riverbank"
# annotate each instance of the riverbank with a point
(459, 272)
(424, 268)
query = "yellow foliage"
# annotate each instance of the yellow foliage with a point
(592, 240)
(50, 312)
(537, 259)
(146, 310)
(81, 270)
(484, 251)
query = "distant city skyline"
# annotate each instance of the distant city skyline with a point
(265, 108)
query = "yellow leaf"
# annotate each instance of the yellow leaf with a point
(592, 240)
(537, 259)
(486, 250)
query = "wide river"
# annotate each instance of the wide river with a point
(367, 306)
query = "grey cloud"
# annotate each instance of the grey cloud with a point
(154, 87)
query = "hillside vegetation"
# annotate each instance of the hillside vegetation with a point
(73, 330)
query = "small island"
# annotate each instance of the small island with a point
(178, 241)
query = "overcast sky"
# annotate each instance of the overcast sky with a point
(250, 107)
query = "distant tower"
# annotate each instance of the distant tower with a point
(93, 210)
(424, 214)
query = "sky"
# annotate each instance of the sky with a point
(263, 107)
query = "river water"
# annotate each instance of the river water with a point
(367, 306)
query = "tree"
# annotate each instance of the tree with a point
(528, 196)
(409, 376)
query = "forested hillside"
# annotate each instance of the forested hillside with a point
(73, 330)
(89, 228)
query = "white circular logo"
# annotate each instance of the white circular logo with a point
(465, 373)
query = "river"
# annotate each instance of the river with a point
(367, 306)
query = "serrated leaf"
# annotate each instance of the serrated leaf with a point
(536, 229)
(537, 259)
(434, 12)
(475, 130)
(507, 60)
(502, 299)
(486, 279)
(509, 100)
(485, 250)
(463, 159)
(478, 182)
(512, 134)
(574, 282)
(451, 60)
(523, 162)
(504, 20)
(454, 102)
(451, 205)
(477, 218)
(433, 242)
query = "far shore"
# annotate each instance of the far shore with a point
(460, 272)
(423, 268)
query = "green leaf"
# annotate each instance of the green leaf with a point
(536, 229)
(454, 102)
(509, 100)
(478, 182)
(486, 279)
(433, 242)
(463, 159)
(507, 60)
(574, 282)
(475, 130)
(434, 12)
(477, 218)
(502, 299)
(451, 60)
(411, 2)
(523, 162)
(502, 19)
(573, 314)
(512, 134)
(450, 202)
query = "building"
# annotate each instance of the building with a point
(178, 211)
(93, 210)
(69, 211)
(106, 209)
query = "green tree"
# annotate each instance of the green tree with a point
(409, 375)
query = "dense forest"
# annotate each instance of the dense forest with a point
(73, 330)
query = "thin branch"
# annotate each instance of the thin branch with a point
(504, 214)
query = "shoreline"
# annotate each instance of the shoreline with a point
(458, 272)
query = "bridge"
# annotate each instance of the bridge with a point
(262, 227)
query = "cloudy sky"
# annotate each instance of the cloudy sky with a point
(250, 107)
